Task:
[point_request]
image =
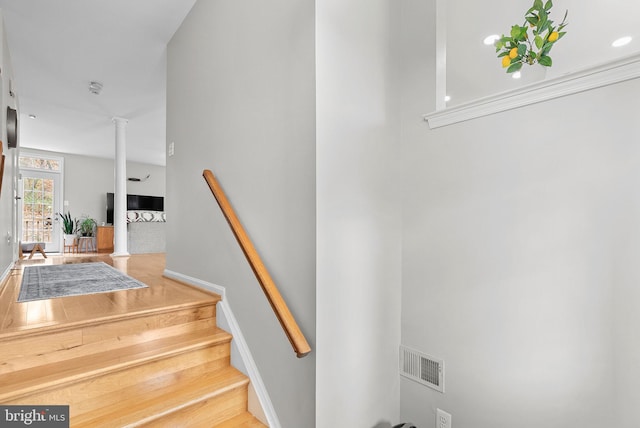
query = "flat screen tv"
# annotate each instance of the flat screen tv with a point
(136, 202)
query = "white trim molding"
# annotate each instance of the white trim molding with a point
(616, 71)
(4, 276)
(241, 357)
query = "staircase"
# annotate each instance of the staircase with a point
(166, 367)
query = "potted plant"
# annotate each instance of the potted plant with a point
(531, 42)
(69, 228)
(86, 226)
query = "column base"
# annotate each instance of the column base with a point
(125, 254)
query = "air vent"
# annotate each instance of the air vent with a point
(422, 368)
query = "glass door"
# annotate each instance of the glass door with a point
(40, 205)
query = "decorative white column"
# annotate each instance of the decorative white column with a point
(120, 194)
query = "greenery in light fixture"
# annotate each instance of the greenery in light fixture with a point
(520, 47)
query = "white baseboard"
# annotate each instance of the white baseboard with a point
(241, 357)
(5, 274)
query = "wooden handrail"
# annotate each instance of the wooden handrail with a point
(289, 325)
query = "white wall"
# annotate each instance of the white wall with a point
(358, 214)
(240, 101)
(520, 240)
(87, 180)
(8, 243)
(89, 197)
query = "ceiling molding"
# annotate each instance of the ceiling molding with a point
(620, 70)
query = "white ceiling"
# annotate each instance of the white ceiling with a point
(58, 47)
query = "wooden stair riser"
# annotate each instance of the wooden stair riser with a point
(204, 414)
(131, 384)
(100, 329)
(17, 384)
(19, 354)
(116, 328)
(225, 387)
(243, 420)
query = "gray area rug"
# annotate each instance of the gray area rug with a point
(51, 281)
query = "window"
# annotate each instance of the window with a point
(41, 163)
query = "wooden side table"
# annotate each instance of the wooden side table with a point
(104, 239)
(86, 243)
(73, 247)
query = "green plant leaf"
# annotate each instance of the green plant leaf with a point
(539, 41)
(545, 60)
(561, 34)
(522, 49)
(533, 55)
(543, 27)
(533, 20)
(515, 31)
(538, 4)
(548, 5)
(523, 33)
(544, 17)
(514, 67)
(501, 54)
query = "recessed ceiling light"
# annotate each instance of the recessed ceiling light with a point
(621, 41)
(32, 116)
(516, 75)
(447, 98)
(489, 40)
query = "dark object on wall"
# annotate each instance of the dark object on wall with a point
(1, 165)
(12, 128)
(136, 202)
(406, 425)
(139, 179)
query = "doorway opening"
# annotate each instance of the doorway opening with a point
(40, 196)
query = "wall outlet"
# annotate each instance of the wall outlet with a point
(443, 419)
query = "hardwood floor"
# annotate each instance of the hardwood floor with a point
(143, 357)
(148, 268)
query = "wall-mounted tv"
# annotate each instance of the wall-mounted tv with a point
(136, 202)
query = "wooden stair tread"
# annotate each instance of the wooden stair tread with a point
(139, 407)
(22, 382)
(55, 347)
(131, 384)
(244, 420)
(55, 327)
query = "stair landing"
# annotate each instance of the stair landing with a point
(55, 313)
